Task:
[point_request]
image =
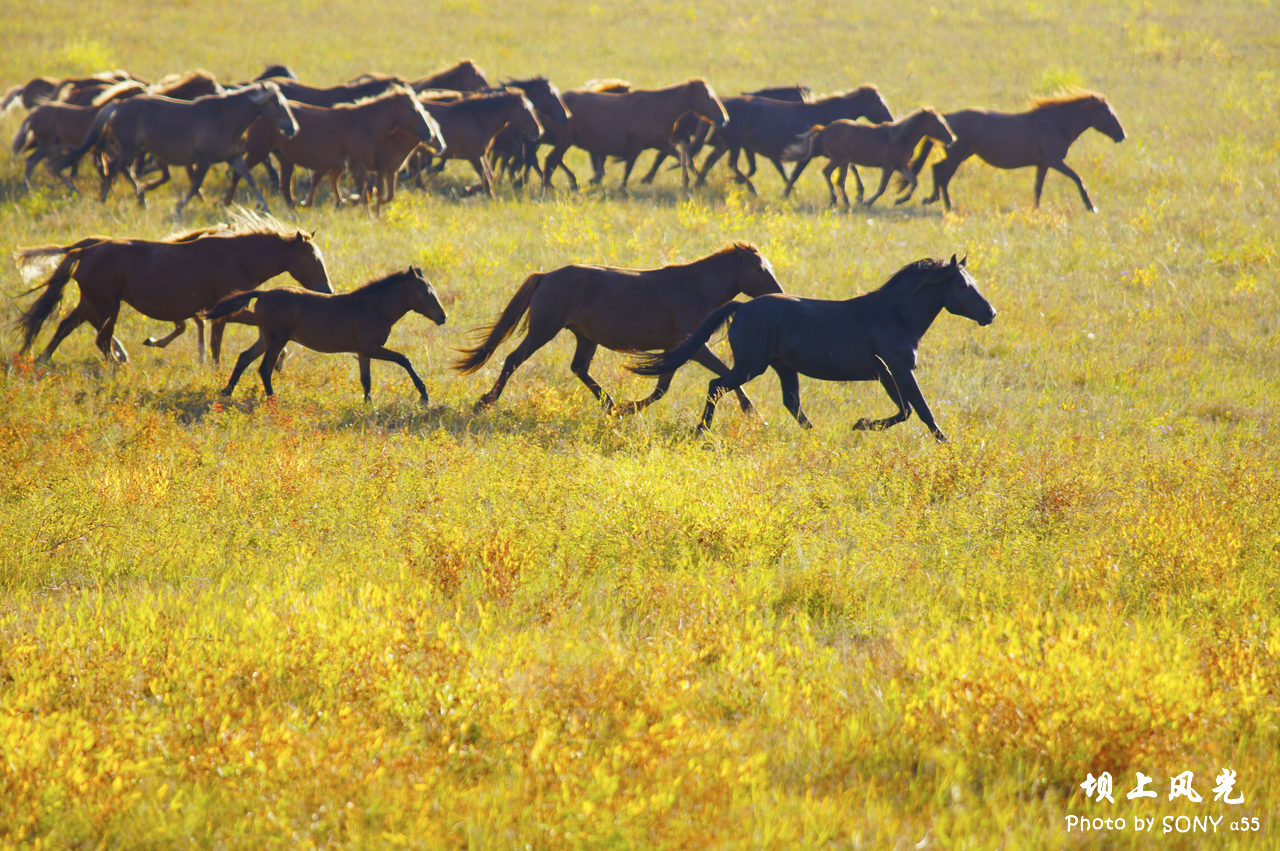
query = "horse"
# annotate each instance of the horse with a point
(30, 94)
(870, 337)
(848, 144)
(330, 139)
(692, 131)
(625, 124)
(50, 128)
(81, 91)
(463, 76)
(198, 133)
(768, 127)
(358, 321)
(624, 310)
(347, 93)
(1039, 137)
(470, 125)
(171, 280)
(510, 150)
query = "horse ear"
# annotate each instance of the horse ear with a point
(964, 259)
(312, 235)
(953, 261)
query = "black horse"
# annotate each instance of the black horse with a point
(870, 337)
(768, 127)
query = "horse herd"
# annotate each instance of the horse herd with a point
(378, 127)
(212, 275)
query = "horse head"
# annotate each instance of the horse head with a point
(421, 122)
(703, 101)
(961, 296)
(872, 105)
(755, 275)
(306, 264)
(544, 96)
(422, 296)
(936, 127)
(527, 120)
(273, 106)
(1105, 120)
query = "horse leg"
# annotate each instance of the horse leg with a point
(241, 167)
(751, 163)
(826, 174)
(286, 180)
(909, 176)
(366, 380)
(664, 383)
(32, 162)
(191, 177)
(247, 357)
(717, 152)
(144, 188)
(631, 163)
(271, 354)
(197, 179)
(1041, 171)
(885, 174)
(708, 358)
(539, 334)
(82, 313)
(215, 338)
(740, 177)
(1063, 168)
(555, 159)
(943, 169)
(383, 353)
(653, 169)
(111, 348)
(582, 356)
(790, 381)
(795, 173)
(334, 175)
(179, 327)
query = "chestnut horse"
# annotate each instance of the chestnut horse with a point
(511, 151)
(470, 125)
(359, 322)
(768, 127)
(197, 133)
(30, 94)
(1039, 137)
(330, 139)
(464, 76)
(872, 337)
(171, 280)
(624, 310)
(51, 128)
(625, 124)
(848, 144)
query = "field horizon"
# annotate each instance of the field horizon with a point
(314, 622)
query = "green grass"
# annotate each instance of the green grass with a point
(319, 622)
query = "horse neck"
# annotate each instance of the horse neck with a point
(917, 308)
(264, 255)
(720, 277)
(911, 129)
(1073, 119)
(389, 302)
(241, 110)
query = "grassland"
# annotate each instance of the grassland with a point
(323, 623)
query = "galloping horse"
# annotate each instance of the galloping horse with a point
(53, 127)
(1039, 137)
(870, 337)
(330, 139)
(171, 280)
(197, 133)
(469, 127)
(848, 144)
(30, 94)
(625, 124)
(768, 127)
(463, 76)
(623, 310)
(358, 321)
(516, 153)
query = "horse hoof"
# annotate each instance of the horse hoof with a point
(150, 341)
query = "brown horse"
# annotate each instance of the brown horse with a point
(372, 86)
(510, 150)
(848, 144)
(330, 139)
(627, 123)
(470, 125)
(1039, 137)
(625, 310)
(171, 280)
(358, 321)
(51, 128)
(463, 76)
(188, 86)
(195, 133)
(81, 91)
(30, 94)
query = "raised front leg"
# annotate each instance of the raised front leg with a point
(82, 313)
(179, 328)
(247, 357)
(885, 174)
(1084, 196)
(708, 358)
(383, 353)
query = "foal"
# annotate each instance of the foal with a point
(358, 321)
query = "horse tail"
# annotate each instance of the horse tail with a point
(802, 147)
(661, 363)
(25, 256)
(20, 140)
(917, 162)
(11, 98)
(502, 329)
(233, 303)
(73, 156)
(34, 317)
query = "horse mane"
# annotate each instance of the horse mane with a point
(1065, 97)
(509, 81)
(190, 235)
(899, 128)
(389, 93)
(375, 77)
(608, 86)
(112, 92)
(175, 81)
(377, 284)
(913, 273)
(866, 88)
(246, 221)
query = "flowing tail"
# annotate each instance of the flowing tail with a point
(233, 303)
(73, 156)
(34, 317)
(500, 330)
(917, 162)
(663, 362)
(20, 140)
(802, 147)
